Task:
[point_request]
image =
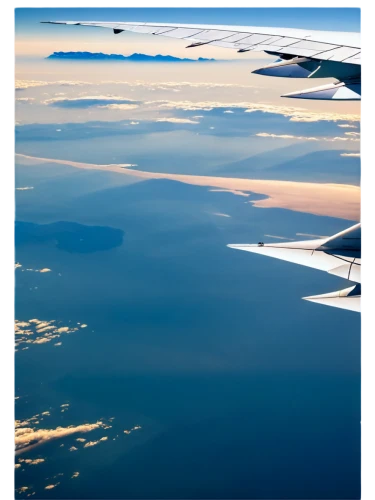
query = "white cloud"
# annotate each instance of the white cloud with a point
(51, 486)
(30, 461)
(44, 331)
(75, 474)
(25, 84)
(119, 107)
(354, 155)
(178, 120)
(295, 114)
(353, 134)
(89, 444)
(219, 214)
(310, 138)
(26, 188)
(25, 99)
(346, 125)
(27, 438)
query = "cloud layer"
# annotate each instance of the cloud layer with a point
(335, 200)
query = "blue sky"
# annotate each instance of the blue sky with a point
(39, 40)
(336, 19)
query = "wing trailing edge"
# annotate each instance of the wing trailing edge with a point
(339, 255)
(302, 53)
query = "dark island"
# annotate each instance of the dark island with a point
(99, 56)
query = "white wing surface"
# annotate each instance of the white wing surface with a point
(339, 255)
(302, 53)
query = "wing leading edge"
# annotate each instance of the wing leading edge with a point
(339, 255)
(301, 53)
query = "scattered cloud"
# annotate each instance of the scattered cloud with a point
(35, 331)
(30, 269)
(295, 114)
(354, 155)
(30, 461)
(26, 188)
(219, 214)
(27, 438)
(89, 444)
(178, 120)
(26, 84)
(119, 107)
(310, 138)
(75, 474)
(353, 134)
(346, 125)
(25, 99)
(51, 486)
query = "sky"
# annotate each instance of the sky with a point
(33, 38)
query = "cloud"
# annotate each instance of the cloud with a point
(334, 200)
(25, 99)
(29, 461)
(354, 155)
(51, 486)
(352, 137)
(47, 331)
(26, 84)
(27, 438)
(75, 474)
(26, 188)
(346, 125)
(353, 134)
(219, 214)
(119, 107)
(178, 120)
(295, 114)
(89, 444)
(29, 269)
(100, 101)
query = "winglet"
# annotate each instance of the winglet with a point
(348, 298)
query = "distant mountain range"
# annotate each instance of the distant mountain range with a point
(99, 56)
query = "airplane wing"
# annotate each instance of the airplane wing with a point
(339, 255)
(302, 53)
